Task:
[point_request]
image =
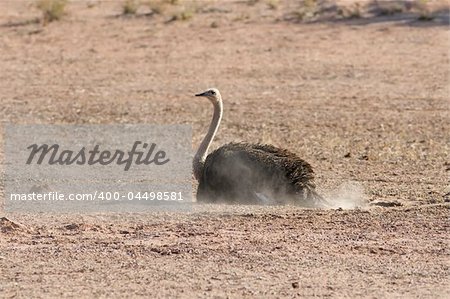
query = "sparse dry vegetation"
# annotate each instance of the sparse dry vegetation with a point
(130, 7)
(421, 7)
(183, 15)
(307, 11)
(52, 10)
(183, 11)
(156, 6)
(425, 12)
(301, 11)
(353, 11)
(161, 7)
(390, 8)
(273, 4)
(241, 17)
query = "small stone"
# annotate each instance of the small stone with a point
(72, 226)
(447, 197)
(295, 285)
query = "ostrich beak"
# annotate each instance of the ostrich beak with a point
(203, 94)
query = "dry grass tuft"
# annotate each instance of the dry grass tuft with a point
(157, 7)
(184, 15)
(425, 12)
(182, 12)
(130, 7)
(241, 17)
(273, 4)
(390, 8)
(52, 10)
(351, 12)
(308, 11)
(160, 7)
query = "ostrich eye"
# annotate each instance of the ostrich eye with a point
(213, 92)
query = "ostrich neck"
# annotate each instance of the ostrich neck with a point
(202, 151)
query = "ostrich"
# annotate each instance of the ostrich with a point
(250, 173)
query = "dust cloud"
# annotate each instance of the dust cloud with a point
(349, 195)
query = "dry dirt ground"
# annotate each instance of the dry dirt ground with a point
(364, 100)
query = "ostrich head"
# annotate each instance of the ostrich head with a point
(212, 94)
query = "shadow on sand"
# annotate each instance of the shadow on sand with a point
(396, 12)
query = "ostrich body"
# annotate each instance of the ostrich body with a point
(250, 173)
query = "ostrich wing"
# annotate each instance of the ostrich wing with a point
(297, 171)
(238, 171)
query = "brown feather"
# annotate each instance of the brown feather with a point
(238, 172)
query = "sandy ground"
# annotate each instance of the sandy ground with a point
(365, 101)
